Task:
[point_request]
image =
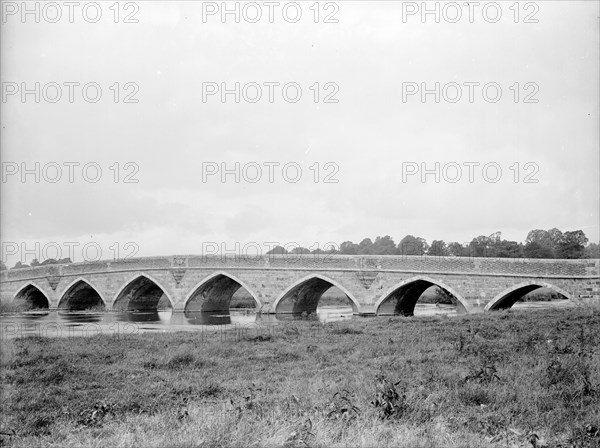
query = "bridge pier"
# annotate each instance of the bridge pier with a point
(474, 309)
(367, 310)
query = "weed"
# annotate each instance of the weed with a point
(483, 375)
(341, 407)
(460, 342)
(346, 330)
(390, 402)
(260, 338)
(95, 415)
(474, 395)
(180, 361)
(301, 435)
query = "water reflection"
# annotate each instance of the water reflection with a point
(69, 323)
(220, 317)
(324, 315)
(77, 318)
(433, 309)
(207, 318)
(34, 315)
(162, 316)
(543, 305)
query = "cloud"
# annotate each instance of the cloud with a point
(171, 133)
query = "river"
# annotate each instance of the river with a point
(74, 324)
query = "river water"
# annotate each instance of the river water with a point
(74, 324)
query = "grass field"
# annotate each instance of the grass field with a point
(504, 379)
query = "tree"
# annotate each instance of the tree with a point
(455, 249)
(349, 248)
(2, 266)
(481, 247)
(556, 236)
(540, 243)
(411, 245)
(277, 250)
(35, 262)
(443, 296)
(365, 247)
(496, 247)
(438, 249)
(592, 250)
(19, 265)
(300, 250)
(508, 249)
(384, 246)
(331, 249)
(571, 245)
(495, 237)
(534, 249)
(539, 236)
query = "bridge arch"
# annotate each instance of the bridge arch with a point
(33, 297)
(510, 296)
(141, 292)
(216, 292)
(306, 292)
(408, 292)
(81, 294)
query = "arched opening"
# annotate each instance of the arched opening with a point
(216, 294)
(306, 296)
(142, 295)
(530, 296)
(81, 296)
(242, 300)
(30, 298)
(433, 298)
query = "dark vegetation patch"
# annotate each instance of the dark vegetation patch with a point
(260, 338)
(346, 330)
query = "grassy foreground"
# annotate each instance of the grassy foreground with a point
(505, 379)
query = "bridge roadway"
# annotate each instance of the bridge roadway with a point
(295, 283)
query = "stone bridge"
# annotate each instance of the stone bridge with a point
(295, 283)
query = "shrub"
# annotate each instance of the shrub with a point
(390, 401)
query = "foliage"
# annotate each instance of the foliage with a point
(438, 248)
(592, 250)
(551, 243)
(390, 400)
(35, 262)
(277, 250)
(410, 245)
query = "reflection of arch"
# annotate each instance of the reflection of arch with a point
(215, 293)
(510, 296)
(81, 294)
(408, 292)
(32, 296)
(142, 292)
(304, 295)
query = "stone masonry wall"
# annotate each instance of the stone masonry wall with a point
(367, 280)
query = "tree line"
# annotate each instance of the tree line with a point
(539, 244)
(551, 243)
(35, 262)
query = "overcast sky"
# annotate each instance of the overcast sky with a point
(371, 136)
